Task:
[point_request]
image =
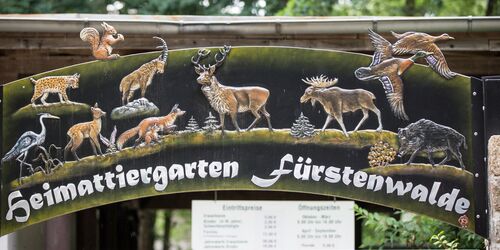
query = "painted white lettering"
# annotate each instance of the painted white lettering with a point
(48, 194)
(85, 187)
(97, 183)
(332, 175)
(160, 177)
(65, 192)
(190, 167)
(434, 191)
(316, 172)
(36, 201)
(277, 172)
(20, 204)
(120, 176)
(345, 175)
(419, 192)
(462, 206)
(215, 169)
(231, 169)
(132, 177)
(202, 171)
(448, 200)
(359, 179)
(375, 182)
(399, 187)
(145, 173)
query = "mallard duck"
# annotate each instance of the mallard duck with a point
(412, 42)
(388, 70)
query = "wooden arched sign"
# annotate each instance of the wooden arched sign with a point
(94, 141)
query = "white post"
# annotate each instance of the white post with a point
(494, 191)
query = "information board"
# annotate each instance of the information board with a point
(272, 225)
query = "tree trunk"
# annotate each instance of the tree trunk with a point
(146, 225)
(409, 8)
(166, 229)
(491, 7)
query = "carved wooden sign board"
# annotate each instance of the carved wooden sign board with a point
(383, 130)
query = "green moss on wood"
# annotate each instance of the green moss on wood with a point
(58, 109)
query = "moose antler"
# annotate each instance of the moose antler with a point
(320, 81)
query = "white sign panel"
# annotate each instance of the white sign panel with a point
(249, 225)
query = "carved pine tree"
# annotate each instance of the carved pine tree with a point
(192, 125)
(302, 128)
(211, 123)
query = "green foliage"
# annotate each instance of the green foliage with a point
(386, 8)
(264, 7)
(439, 240)
(404, 229)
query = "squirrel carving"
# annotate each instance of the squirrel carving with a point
(101, 46)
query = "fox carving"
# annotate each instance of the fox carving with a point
(101, 47)
(163, 122)
(78, 132)
(152, 135)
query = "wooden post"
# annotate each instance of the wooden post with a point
(494, 191)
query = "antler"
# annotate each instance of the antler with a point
(220, 57)
(202, 53)
(164, 46)
(223, 52)
(320, 81)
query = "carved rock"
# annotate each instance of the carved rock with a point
(137, 108)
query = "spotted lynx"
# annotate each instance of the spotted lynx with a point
(53, 84)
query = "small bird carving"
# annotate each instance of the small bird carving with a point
(412, 42)
(388, 71)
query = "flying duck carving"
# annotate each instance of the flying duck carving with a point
(388, 71)
(412, 42)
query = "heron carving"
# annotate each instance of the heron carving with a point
(28, 140)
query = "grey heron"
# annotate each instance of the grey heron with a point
(28, 140)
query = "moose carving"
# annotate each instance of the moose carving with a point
(226, 99)
(337, 101)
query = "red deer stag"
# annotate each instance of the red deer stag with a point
(337, 101)
(227, 99)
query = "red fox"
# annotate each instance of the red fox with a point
(164, 122)
(83, 130)
(152, 135)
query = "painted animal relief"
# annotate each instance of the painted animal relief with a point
(101, 46)
(228, 100)
(27, 141)
(165, 124)
(336, 101)
(429, 137)
(91, 130)
(53, 84)
(413, 42)
(388, 71)
(141, 78)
